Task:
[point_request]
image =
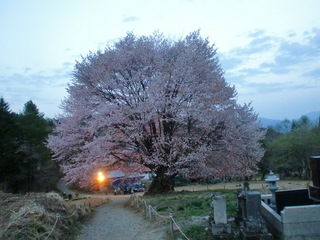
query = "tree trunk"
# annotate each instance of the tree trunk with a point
(307, 170)
(162, 183)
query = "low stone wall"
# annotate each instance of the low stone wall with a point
(301, 222)
(294, 222)
(273, 220)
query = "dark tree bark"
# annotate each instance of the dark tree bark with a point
(162, 183)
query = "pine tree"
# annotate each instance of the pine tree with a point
(33, 131)
(9, 162)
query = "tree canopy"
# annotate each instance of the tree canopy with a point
(289, 152)
(8, 143)
(33, 131)
(25, 161)
(158, 103)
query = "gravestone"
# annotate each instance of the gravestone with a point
(253, 206)
(314, 190)
(252, 225)
(239, 212)
(220, 228)
(219, 209)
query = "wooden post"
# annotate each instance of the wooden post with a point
(171, 224)
(150, 212)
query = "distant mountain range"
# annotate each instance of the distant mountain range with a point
(265, 122)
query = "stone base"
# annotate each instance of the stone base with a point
(221, 229)
(255, 236)
(224, 237)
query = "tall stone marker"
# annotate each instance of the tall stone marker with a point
(253, 227)
(219, 209)
(220, 228)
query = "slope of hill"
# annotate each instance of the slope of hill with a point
(313, 116)
(265, 122)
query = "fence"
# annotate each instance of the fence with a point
(152, 214)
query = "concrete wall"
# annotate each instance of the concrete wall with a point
(272, 217)
(301, 222)
(294, 223)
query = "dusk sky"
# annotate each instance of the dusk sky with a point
(269, 49)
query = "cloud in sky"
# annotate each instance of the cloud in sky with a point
(270, 50)
(46, 90)
(277, 72)
(130, 19)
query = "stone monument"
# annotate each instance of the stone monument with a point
(252, 226)
(220, 227)
(272, 186)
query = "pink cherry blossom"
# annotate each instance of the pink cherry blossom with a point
(155, 104)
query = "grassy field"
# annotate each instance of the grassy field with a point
(260, 186)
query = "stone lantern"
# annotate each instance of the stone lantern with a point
(272, 186)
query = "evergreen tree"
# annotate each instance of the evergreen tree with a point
(33, 151)
(9, 164)
(266, 164)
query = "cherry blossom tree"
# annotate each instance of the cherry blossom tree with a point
(152, 102)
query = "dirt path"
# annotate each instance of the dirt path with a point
(61, 186)
(113, 221)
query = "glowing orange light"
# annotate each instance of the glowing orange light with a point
(101, 177)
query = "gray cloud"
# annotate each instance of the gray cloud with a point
(274, 65)
(275, 68)
(314, 38)
(293, 54)
(26, 70)
(130, 19)
(259, 43)
(229, 62)
(68, 65)
(235, 80)
(315, 74)
(249, 88)
(288, 54)
(46, 90)
(256, 33)
(276, 87)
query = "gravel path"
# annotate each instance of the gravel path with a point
(61, 185)
(113, 221)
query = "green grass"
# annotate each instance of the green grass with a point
(196, 232)
(185, 204)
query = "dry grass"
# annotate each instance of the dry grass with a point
(260, 186)
(41, 216)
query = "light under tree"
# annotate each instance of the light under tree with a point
(158, 103)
